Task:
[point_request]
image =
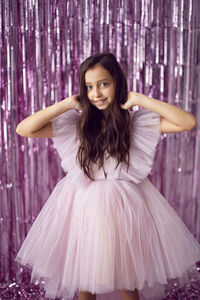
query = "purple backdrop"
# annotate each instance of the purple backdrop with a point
(42, 43)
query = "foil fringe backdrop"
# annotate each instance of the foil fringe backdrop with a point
(42, 43)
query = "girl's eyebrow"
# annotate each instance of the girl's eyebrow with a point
(100, 80)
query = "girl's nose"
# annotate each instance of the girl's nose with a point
(97, 92)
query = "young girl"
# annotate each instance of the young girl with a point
(105, 229)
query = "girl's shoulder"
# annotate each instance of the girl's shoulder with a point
(66, 122)
(145, 118)
(70, 114)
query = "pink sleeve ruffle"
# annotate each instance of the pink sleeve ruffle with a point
(145, 135)
(65, 137)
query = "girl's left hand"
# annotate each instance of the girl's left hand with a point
(132, 99)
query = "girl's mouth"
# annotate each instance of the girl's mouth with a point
(100, 102)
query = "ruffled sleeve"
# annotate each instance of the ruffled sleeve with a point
(65, 137)
(145, 135)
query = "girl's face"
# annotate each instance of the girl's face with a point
(100, 87)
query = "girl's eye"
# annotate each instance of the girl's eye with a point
(89, 86)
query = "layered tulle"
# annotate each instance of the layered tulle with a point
(145, 135)
(108, 234)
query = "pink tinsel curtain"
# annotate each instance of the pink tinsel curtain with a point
(42, 44)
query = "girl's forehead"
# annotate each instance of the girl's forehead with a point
(97, 73)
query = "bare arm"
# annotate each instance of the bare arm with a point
(39, 124)
(173, 118)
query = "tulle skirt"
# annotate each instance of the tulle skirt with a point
(104, 236)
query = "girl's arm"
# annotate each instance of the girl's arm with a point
(39, 124)
(173, 118)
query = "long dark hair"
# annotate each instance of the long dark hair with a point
(116, 138)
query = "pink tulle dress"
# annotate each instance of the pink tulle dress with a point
(116, 232)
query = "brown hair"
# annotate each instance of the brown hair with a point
(93, 140)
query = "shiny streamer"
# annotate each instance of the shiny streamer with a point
(42, 43)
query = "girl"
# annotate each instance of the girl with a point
(105, 227)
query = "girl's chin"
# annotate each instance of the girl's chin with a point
(102, 107)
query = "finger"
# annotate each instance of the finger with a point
(123, 106)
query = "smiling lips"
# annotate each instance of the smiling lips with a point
(100, 102)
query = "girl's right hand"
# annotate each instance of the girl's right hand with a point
(74, 102)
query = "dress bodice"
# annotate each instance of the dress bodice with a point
(144, 137)
(108, 170)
